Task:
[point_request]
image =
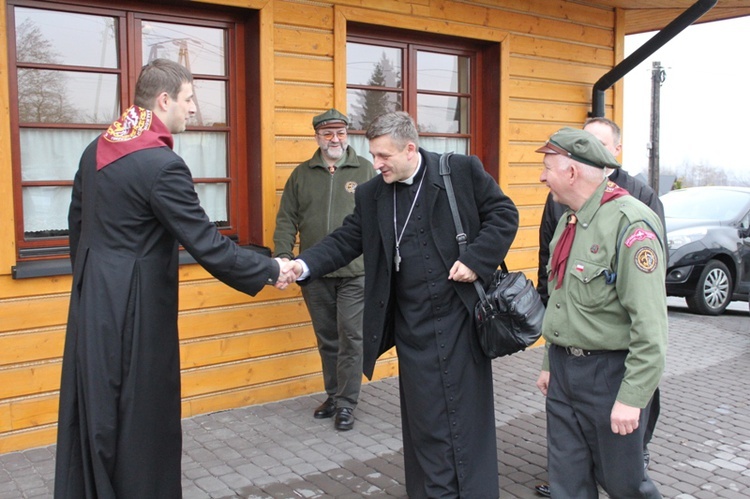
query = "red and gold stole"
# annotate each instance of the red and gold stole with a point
(136, 129)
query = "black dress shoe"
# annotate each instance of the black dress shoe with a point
(542, 489)
(646, 459)
(344, 418)
(326, 409)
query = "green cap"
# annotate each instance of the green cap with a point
(579, 145)
(330, 117)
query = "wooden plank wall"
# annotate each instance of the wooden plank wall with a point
(238, 350)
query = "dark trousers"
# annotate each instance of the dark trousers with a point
(582, 449)
(336, 306)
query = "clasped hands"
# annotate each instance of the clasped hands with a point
(289, 272)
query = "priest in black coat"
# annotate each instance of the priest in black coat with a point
(119, 433)
(419, 296)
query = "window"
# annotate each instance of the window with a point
(434, 79)
(73, 71)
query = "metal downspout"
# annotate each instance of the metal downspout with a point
(652, 45)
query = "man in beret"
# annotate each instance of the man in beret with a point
(609, 133)
(317, 196)
(605, 326)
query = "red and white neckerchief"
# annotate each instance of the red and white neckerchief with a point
(562, 250)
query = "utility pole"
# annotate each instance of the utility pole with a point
(658, 75)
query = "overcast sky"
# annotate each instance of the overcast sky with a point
(705, 99)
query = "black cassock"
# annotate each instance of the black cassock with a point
(119, 432)
(447, 409)
(446, 384)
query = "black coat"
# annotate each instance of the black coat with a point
(489, 218)
(119, 431)
(447, 410)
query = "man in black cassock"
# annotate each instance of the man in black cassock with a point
(119, 433)
(419, 296)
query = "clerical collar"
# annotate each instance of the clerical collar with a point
(410, 180)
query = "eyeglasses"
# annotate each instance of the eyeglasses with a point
(329, 134)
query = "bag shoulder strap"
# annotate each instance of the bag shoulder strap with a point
(461, 238)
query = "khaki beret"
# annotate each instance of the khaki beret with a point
(579, 145)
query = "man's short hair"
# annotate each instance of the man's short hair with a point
(399, 125)
(160, 75)
(616, 132)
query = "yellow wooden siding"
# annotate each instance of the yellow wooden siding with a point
(238, 350)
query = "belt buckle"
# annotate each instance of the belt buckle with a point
(576, 352)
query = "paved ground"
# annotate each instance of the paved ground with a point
(701, 448)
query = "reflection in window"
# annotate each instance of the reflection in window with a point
(433, 86)
(73, 98)
(201, 50)
(210, 99)
(366, 105)
(373, 65)
(51, 96)
(442, 114)
(442, 72)
(51, 37)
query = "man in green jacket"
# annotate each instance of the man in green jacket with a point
(317, 197)
(605, 325)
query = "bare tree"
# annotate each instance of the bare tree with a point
(42, 94)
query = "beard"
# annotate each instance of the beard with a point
(335, 153)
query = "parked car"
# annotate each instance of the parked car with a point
(708, 233)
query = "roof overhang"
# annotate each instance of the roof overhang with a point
(652, 15)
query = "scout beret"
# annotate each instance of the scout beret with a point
(579, 145)
(330, 117)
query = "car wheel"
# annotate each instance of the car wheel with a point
(713, 291)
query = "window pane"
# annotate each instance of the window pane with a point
(48, 37)
(363, 106)
(373, 65)
(442, 72)
(45, 211)
(204, 152)
(48, 96)
(210, 102)
(441, 114)
(458, 145)
(360, 144)
(213, 198)
(201, 50)
(50, 154)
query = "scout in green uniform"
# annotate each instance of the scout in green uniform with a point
(605, 326)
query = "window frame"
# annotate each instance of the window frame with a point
(483, 73)
(242, 63)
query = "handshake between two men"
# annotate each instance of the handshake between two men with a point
(289, 272)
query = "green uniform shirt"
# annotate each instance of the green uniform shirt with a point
(314, 203)
(631, 314)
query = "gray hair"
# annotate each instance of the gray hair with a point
(399, 125)
(160, 75)
(616, 132)
(590, 173)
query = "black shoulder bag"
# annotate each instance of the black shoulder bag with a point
(508, 316)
